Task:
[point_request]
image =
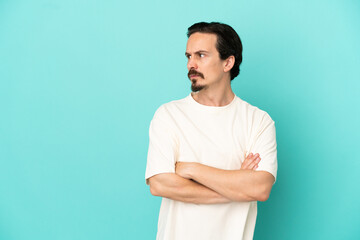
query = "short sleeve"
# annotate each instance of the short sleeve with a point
(264, 143)
(162, 150)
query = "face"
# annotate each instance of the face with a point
(205, 67)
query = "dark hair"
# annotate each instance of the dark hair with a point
(228, 42)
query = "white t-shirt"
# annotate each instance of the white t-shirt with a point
(187, 131)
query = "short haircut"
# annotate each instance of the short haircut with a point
(228, 42)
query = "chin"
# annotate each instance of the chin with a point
(196, 88)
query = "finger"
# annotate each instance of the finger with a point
(253, 163)
(254, 157)
(249, 163)
(246, 162)
(250, 158)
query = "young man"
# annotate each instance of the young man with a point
(211, 156)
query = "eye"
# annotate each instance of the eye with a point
(202, 55)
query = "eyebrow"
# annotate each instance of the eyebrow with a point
(197, 52)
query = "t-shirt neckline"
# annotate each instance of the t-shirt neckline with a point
(211, 108)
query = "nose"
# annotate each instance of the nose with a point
(191, 64)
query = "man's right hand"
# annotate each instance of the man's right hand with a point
(251, 162)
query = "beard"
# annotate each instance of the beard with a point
(196, 88)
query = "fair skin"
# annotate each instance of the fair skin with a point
(176, 187)
(203, 57)
(197, 183)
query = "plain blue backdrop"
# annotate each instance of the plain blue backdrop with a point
(81, 80)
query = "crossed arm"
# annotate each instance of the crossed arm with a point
(198, 183)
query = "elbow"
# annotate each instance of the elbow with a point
(249, 198)
(264, 194)
(263, 197)
(162, 184)
(154, 188)
(259, 193)
(153, 191)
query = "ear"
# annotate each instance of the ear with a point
(229, 63)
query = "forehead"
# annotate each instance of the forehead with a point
(201, 41)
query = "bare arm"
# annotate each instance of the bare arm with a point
(178, 188)
(171, 185)
(236, 185)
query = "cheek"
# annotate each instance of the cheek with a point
(215, 68)
(211, 69)
(209, 66)
(214, 64)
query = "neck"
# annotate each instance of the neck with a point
(216, 96)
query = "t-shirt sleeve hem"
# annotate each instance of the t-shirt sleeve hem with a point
(151, 174)
(272, 172)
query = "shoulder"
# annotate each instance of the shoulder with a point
(166, 110)
(253, 113)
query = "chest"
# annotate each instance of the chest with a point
(219, 141)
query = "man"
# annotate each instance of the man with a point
(211, 156)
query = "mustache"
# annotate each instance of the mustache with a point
(194, 72)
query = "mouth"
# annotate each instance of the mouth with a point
(194, 76)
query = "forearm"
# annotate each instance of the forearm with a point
(236, 185)
(175, 187)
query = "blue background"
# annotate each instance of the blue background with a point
(81, 80)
